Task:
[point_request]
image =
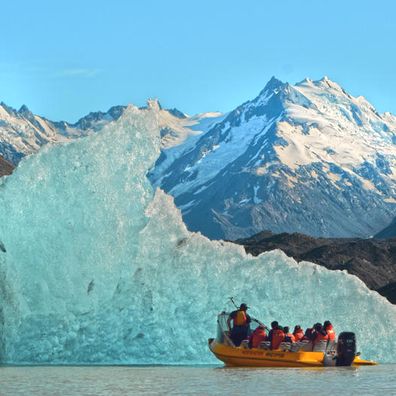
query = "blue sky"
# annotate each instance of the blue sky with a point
(66, 58)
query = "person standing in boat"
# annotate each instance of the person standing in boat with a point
(240, 324)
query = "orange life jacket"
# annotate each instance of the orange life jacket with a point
(257, 337)
(277, 337)
(298, 335)
(331, 333)
(240, 318)
(290, 337)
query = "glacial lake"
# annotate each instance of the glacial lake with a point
(195, 380)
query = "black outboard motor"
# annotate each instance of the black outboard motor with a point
(346, 349)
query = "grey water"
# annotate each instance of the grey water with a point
(195, 380)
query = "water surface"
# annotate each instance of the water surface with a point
(193, 380)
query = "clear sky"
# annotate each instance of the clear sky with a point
(64, 59)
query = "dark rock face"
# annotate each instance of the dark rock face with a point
(371, 260)
(5, 167)
(388, 232)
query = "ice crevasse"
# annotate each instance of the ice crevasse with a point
(97, 267)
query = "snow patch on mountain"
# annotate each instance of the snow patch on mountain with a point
(307, 157)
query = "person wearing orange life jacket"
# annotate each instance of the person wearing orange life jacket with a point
(328, 327)
(320, 334)
(257, 336)
(298, 333)
(240, 324)
(289, 337)
(275, 335)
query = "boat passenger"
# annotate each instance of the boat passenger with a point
(320, 334)
(240, 326)
(275, 335)
(298, 333)
(328, 327)
(309, 334)
(257, 336)
(289, 337)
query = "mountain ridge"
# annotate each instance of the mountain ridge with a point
(306, 158)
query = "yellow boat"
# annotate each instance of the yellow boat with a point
(301, 354)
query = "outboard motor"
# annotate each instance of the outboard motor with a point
(346, 349)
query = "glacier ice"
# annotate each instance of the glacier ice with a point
(97, 267)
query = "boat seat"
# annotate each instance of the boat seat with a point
(301, 346)
(320, 346)
(305, 346)
(265, 345)
(245, 344)
(295, 346)
(331, 347)
(285, 346)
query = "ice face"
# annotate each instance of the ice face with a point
(96, 267)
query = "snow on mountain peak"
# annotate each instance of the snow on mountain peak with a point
(272, 85)
(274, 158)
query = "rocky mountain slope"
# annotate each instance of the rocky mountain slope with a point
(5, 167)
(388, 232)
(306, 158)
(373, 261)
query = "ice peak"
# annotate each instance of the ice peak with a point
(154, 104)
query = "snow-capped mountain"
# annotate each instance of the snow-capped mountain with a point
(309, 158)
(23, 133)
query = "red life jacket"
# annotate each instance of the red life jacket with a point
(240, 318)
(330, 332)
(298, 335)
(257, 337)
(277, 337)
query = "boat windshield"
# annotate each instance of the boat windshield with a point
(222, 327)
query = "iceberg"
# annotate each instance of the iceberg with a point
(97, 267)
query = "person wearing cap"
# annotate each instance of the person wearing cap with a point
(240, 324)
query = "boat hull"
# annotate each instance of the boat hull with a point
(245, 357)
